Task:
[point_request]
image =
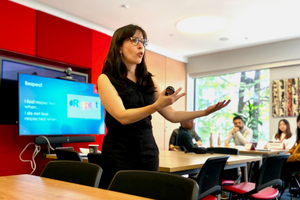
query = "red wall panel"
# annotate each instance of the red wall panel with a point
(57, 40)
(100, 46)
(18, 28)
(64, 41)
(11, 147)
(101, 43)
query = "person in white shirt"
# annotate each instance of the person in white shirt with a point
(240, 133)
(284, 134)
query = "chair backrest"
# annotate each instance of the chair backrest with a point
(73, 171)
(209, 178)
(232, 174)
(63, 154)
(270, 171)
(224, 150)
(182, 148)
(95, 158)
(155, 185)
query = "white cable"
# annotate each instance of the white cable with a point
(49, 145)
(37, 149)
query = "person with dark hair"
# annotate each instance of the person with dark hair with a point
(190, 128)
(284, 134)
(240, 133)
(292, 165)
(130, 94)
(295, 150)
(185, 137)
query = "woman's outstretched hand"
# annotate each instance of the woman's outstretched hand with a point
(217, 106)
(164, 100)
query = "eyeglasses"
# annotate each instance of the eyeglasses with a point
(135, 41)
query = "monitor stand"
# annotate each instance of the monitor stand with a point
(64, 139)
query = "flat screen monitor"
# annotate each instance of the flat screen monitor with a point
(49, 106)
(9, 69)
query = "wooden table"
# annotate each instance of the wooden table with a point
(242, 151)
(25, 187)
(182, 163)
(185, 163)
(258, 153)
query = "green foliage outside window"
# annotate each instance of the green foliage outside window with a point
(244, 89)
(248, 114)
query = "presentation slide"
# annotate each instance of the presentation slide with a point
(50, 106)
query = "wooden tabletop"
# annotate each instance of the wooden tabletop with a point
(242, 150)
(173, 161)
(259, 152)
(28, 187)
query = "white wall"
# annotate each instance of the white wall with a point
(270, 55)
(235, 59)
(282, 73)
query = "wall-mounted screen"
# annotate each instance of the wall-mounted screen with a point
(9, 69)
(49, 106)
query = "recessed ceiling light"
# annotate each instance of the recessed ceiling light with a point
(201, 24)
(224, 39)
(125, 6)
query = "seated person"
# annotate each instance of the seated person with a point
(173, 138)
(284, 134)
(292, 165)
(240, 133)
(185, 137)
(295, 150)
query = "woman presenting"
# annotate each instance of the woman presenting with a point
(130, 94)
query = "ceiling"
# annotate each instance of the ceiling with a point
(250, 22)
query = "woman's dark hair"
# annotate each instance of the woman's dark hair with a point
(298, 130)
(287, 132)
(113, 62)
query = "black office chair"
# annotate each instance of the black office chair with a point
(209, 178)
(230, 176)
(182, 148)
(95, 158)
(291, 173)
(270, 174)
(63, 154)
(224, 150)
(73, 171)
(154, 185)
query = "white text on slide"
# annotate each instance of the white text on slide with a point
(31, 84)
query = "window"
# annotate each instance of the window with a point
(247, 90)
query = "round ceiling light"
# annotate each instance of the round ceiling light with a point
(201, 24)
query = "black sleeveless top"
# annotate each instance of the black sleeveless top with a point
(130, 141)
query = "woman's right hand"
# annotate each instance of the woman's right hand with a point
(164, 101)
(217, 107)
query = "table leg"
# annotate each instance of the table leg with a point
(244, 173)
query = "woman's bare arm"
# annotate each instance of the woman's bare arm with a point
(178, 116)
(114, 105)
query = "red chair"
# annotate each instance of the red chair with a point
(269, 175)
